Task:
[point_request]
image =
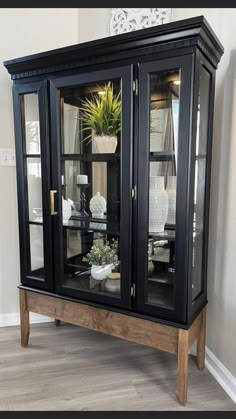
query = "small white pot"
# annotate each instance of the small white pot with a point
(100, 272)
(105, 143)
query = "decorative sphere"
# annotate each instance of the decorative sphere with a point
(97, 205)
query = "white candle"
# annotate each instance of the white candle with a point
(82, 179)
(62, 180)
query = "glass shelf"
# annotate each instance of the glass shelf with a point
(168, 235)
(165, 278)
(87, 283)
(92, 157)
(93, 224)
(37, 221)
(161, 155)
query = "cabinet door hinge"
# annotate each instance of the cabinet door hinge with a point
(134, 192)
(132, 290)
(135, 87)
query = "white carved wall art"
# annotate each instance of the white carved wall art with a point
(128, 19)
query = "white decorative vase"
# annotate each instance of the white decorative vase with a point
(98, 206)
(171, 191)
(100, 272)
(66, 210)
(158, 204)
(105, 143)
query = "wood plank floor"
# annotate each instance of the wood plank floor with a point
(70, 368)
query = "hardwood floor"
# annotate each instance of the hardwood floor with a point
(71, 368)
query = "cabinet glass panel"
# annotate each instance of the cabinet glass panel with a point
(200, 178)
(34, 183)
(163, 133)
(90, 186)
(32, 130)
(33, 171)
(36, 251)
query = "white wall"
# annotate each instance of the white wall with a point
(22, 32)
(93, 23)
(221, 323)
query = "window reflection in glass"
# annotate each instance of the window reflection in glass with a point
(32, 130)
(36, 251)
(34, 183)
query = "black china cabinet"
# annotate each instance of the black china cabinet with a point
(142, 192)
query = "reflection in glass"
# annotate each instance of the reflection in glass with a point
(90, 182)
(36, 251)
(199, 187)
(164, 126)
(32, 130)
(34, 183)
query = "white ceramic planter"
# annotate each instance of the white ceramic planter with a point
(158, 204)
(99, 272)
(105, 143)
(97, 205)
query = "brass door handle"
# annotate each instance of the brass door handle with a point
(52, 202)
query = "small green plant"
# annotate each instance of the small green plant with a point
(102, 114)
(103, 254)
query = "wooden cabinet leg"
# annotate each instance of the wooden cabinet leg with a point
(24, 319)
(182, 372)
(57, 322)
(201, 341)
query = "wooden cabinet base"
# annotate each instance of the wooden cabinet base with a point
(156, 335)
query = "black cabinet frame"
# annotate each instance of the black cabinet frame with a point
(19, 119)
(184, 45)
(184, 64)
(126, 75)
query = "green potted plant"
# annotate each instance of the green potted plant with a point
(102, 116)
(102, 258)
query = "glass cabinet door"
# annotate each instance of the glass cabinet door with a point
(200, 195)
(164, 117)
(93, 180)
(32, 144)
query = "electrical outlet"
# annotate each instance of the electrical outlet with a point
(4, 157)
(7, 157)
(11, 158)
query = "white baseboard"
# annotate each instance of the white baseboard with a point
(13, 319)
(221, 374)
